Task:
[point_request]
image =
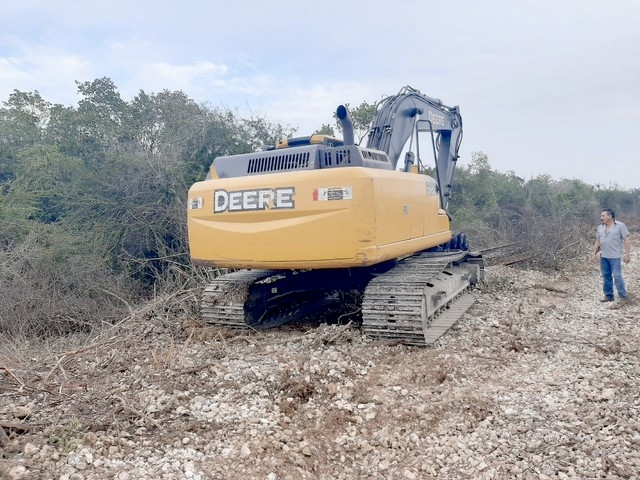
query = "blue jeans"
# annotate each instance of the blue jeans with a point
(611, 269)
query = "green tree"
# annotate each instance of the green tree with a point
(326, 129)
(22, 121)
(46, 182)
(92, 198)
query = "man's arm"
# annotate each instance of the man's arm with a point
(596, 249)
(627, 249)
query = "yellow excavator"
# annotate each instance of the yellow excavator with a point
(317, 227)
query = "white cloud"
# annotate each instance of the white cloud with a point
(48, 70)
(161, 75)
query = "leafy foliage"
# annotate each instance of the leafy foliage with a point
(548, 217)
(92, 199)
(326, 129)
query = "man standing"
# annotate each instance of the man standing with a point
(612, 237)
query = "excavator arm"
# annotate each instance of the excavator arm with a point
(400, 117)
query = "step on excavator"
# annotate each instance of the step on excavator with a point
(316, 228)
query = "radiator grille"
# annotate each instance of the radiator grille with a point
(336, 157)
(277, 163)
(377, 156)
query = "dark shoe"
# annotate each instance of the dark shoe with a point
(606, 299)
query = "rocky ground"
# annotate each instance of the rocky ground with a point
(537, 380)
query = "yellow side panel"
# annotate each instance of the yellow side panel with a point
(342, 217)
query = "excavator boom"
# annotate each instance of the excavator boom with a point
(400, 117)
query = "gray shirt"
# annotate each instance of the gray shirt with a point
(611, 242)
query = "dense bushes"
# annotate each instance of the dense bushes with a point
(553, 220)
(92, 200)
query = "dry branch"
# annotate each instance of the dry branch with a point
(549, 288)
(135, 412)
(22, 385)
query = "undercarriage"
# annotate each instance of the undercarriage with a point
(414, 300)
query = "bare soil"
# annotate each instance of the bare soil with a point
(537, 380)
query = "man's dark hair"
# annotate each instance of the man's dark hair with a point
(609, 212)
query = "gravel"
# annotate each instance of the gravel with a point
(537, 380)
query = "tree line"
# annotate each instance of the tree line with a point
(553, 220)
(92, 200)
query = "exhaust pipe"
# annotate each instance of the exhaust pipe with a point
(347, 125)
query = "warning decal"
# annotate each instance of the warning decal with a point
(332, 193)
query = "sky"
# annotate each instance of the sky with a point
(545, 87)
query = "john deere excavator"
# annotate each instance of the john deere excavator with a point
(317, 226)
